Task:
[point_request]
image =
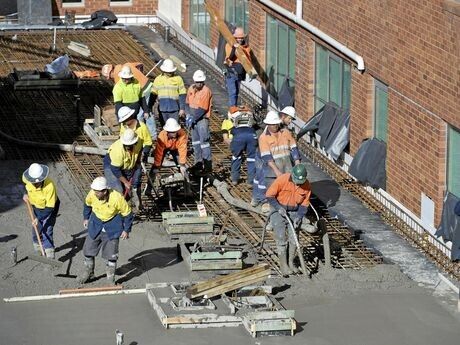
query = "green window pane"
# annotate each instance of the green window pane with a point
(321, 80)
(229, 11)
(453, 163)
(381, 113)
(346, 87)
(335, 81)
(283, 49)
(272, 51)
(292, 56)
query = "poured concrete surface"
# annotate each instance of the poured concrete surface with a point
(376, 306)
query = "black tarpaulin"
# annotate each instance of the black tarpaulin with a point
(285, 95)
(339, 137)
(368, 165)
(449, 229)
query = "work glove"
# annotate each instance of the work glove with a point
(189, 121)
(296, 223)
(282, 212)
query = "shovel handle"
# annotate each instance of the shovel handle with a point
(31, 215)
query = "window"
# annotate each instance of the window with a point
(237, 13)
(380, 110)
(280, 53)
(199, 20)
(332, 79)
(453, 162)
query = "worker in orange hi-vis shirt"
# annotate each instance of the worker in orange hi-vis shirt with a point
(172, 139)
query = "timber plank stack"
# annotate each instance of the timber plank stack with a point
(220, 285)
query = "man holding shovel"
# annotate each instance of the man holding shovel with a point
(41, 196)
(289, 197)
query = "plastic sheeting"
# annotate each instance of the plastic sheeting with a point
(368, 165)
(449, 229)
(285, 95)
(99, 19)
(59, 68)
(332, 124)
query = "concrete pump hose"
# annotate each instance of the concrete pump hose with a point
(222, 188)
(56, 146)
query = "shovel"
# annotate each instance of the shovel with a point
(43, 258)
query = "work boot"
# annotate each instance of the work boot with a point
(285, 270)
(49, 252)
(292, 254)
(254, 202)
(207, 166)
(137, 199)
(110, 271)
(37, 248)
(235, 183)
(197, 169)
(88, 273)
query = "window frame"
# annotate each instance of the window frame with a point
(345, 67)
(378, 85)
(195, 4)
(278, 78)
(451, 129)
(121, 3)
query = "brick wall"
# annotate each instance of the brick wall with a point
(137, 7)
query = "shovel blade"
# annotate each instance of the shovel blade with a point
(45, 260)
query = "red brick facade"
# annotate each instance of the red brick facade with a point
(135, 7)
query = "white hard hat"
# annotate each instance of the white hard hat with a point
(36, 173)
(168, 66)
(125, 72)
(199, 75)
(125, 113)
(272, 118)
(99, 183)
(171, 125)
(290, 111)
(129, 137)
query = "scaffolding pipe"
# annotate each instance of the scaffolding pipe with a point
(55, 146)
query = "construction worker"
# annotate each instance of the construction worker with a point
(128, 92)
(170, 90)
(244, 140)
(122, 166)
(235, 72)
(278, 150)
(41, 194)
(226, 128)
(172, 139)
(127, 119)
(198, 104)
(289, 197)
(287, 114)
(108, 217)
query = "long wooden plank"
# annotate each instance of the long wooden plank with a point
(224, 279)
(225, 32)
(92, 289)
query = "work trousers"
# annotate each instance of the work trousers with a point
(233, 88)
(280, 227)
(109, 247)
(45, 228)
(165, 115)
(150, 122)
(244, 140)
(114, 183)
(200, 140)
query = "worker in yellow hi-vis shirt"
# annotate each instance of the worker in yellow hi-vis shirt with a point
(122, 167)
(41, 194)
(108, 217)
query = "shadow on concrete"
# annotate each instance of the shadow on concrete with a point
(327, 191)
(8, 238)
(75, 245)
(145, 261)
